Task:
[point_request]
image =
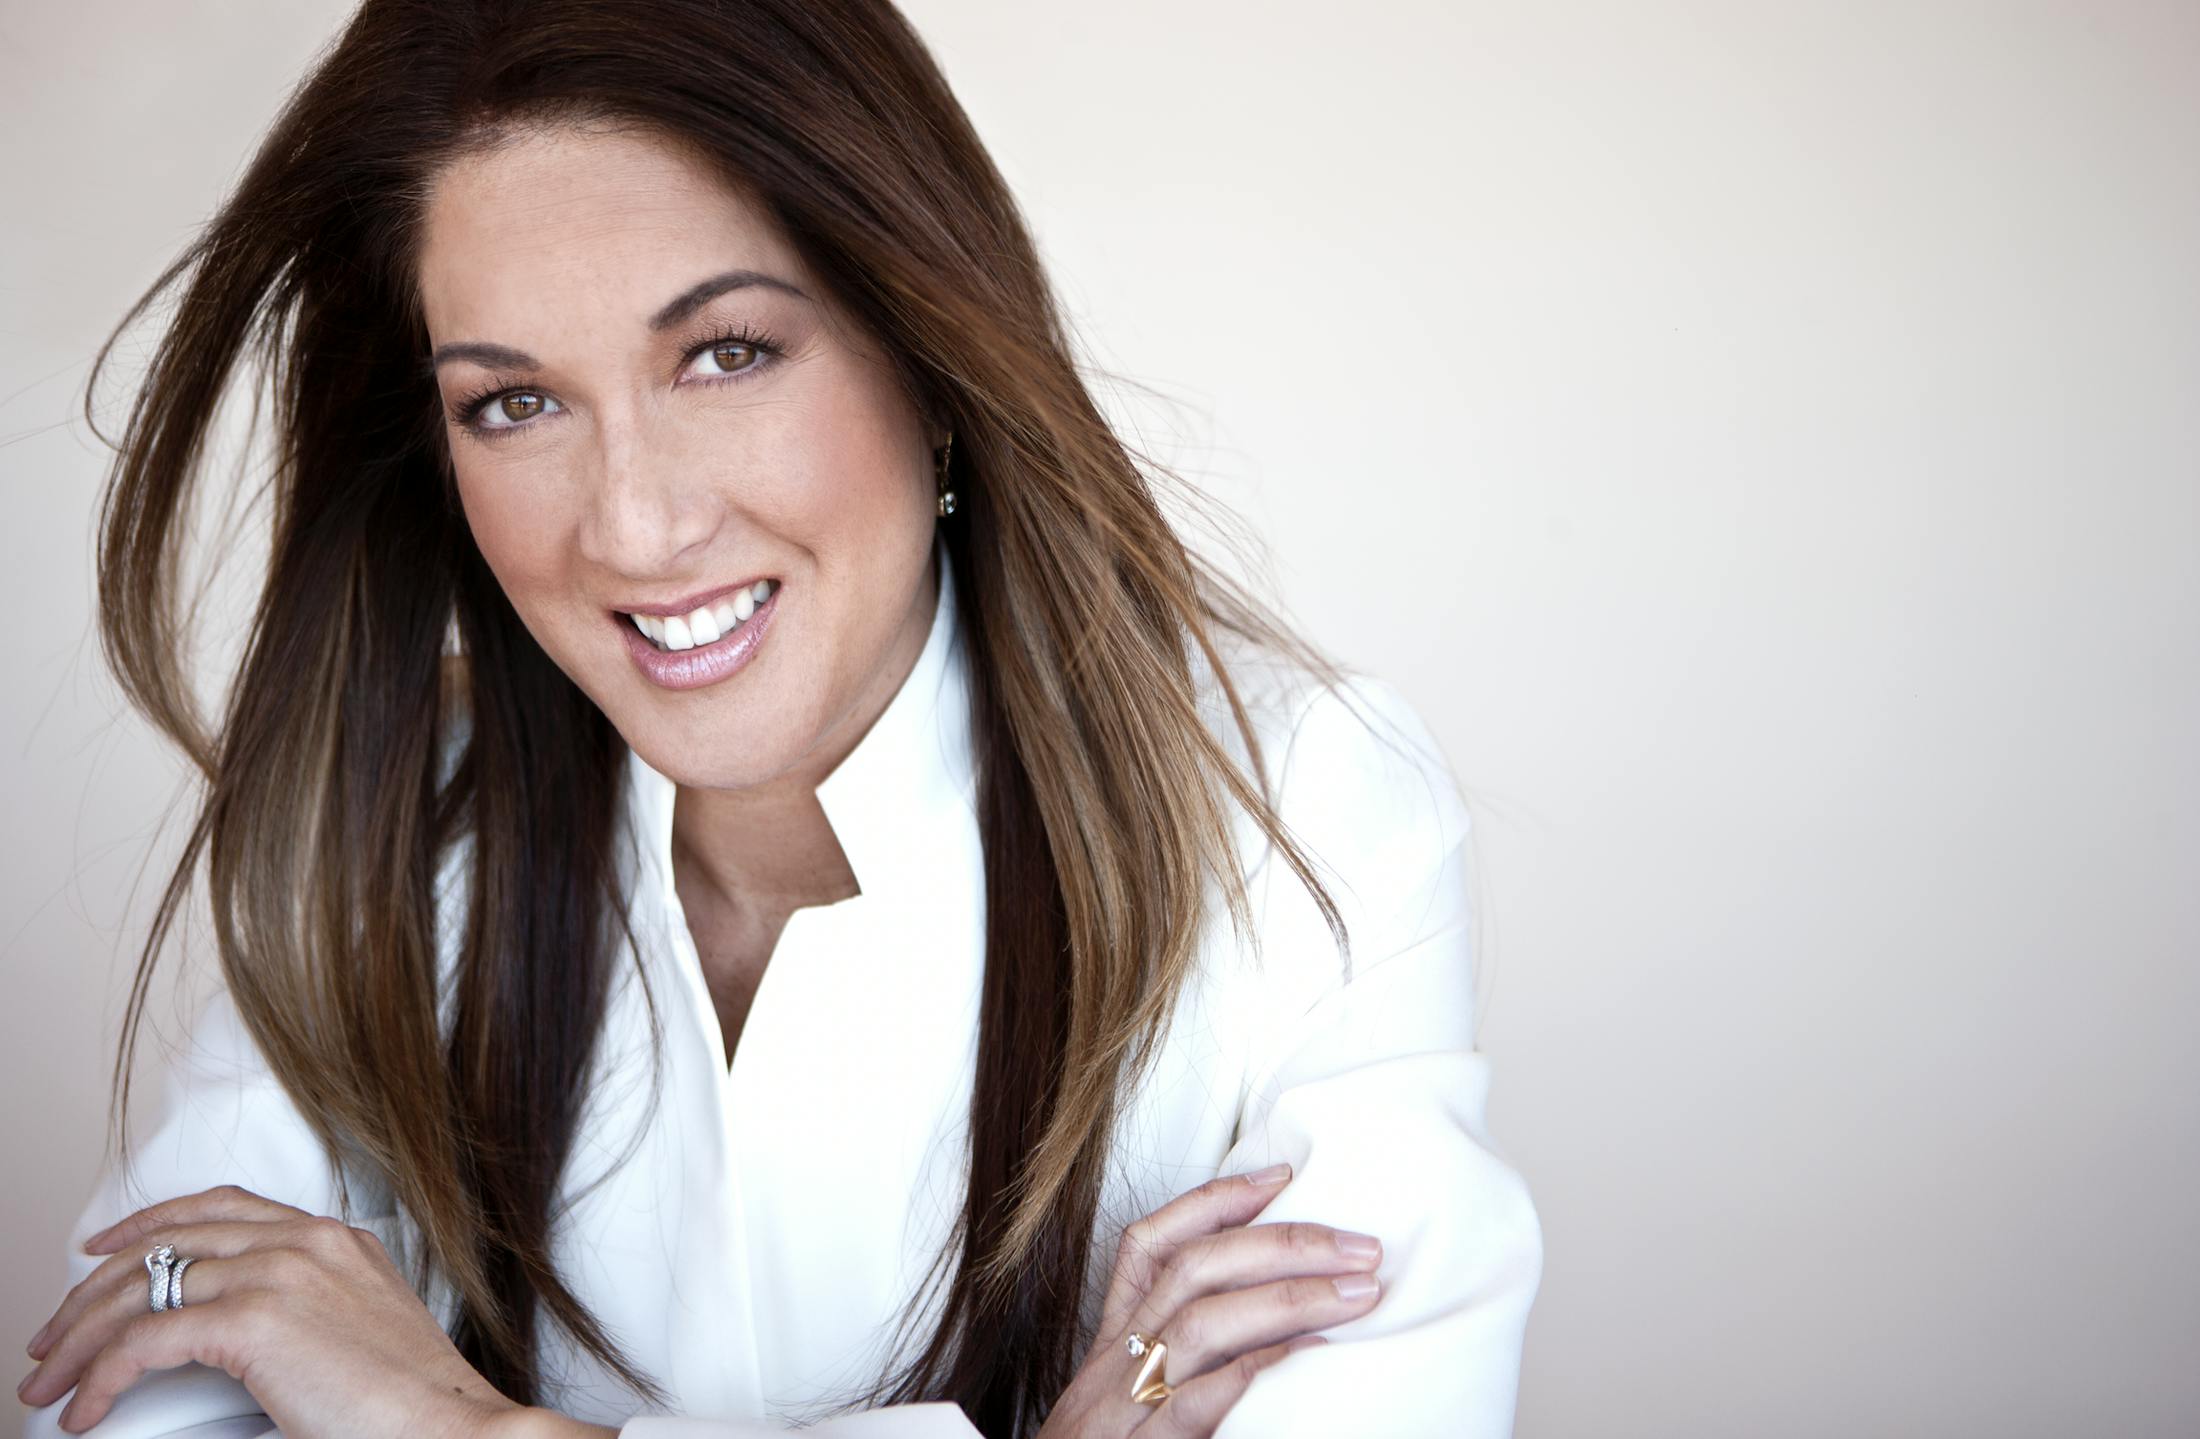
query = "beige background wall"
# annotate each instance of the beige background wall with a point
(1764, 439)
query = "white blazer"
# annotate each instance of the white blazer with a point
(769, 1224)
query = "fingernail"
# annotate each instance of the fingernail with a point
(1359, 1246)
(1356, 1286)
(32, 1347)
(1273, 1174)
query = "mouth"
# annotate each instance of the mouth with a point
(705, 624)
(707, 638)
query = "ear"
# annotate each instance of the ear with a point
(938, 425)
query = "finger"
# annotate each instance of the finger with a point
(1147, 1243)
(125, 1272)
(214, 1335)
(1195, 1407)
(1250, 1254)
(225, 1201)
(1206, 1333)
(111, 1315)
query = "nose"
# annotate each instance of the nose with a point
(649, 508)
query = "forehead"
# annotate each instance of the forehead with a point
(599, 220)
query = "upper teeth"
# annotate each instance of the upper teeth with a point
(706, 623)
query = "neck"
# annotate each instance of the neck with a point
(771, 847)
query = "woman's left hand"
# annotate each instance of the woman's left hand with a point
(308, 1312)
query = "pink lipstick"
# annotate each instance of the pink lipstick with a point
(709, 641)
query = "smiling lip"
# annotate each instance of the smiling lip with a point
(704, 664)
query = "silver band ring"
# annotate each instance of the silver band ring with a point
(165, 1272)
(175, 1283)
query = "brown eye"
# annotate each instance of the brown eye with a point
(732, 357)
(511, 410)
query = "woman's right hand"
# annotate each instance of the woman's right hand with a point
(1227, 1297)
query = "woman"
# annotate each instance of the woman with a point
(693, 547)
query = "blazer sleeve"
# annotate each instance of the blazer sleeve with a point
(1370, 1086)
(225, 1120)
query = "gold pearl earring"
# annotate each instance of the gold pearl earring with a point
(947, 496)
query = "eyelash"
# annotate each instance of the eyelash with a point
(469, 408)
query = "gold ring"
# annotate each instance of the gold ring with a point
(1148, 1387)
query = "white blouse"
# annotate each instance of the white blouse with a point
(751, 1242)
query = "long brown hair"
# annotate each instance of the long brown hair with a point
(1106, 801)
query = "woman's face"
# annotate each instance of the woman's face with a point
(636, 431)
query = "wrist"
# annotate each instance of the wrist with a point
(535, 1423)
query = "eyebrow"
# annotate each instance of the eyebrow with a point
(678, 308)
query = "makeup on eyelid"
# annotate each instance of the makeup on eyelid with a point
(466, 413)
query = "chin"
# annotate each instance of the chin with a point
(744, 731)
(703, 762)
(709, 762)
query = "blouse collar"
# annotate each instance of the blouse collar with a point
(911, 772)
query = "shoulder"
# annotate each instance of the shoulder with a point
(1342, 757)
(1359, 780)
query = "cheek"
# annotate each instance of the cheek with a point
(862, 499)
(523, 540)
